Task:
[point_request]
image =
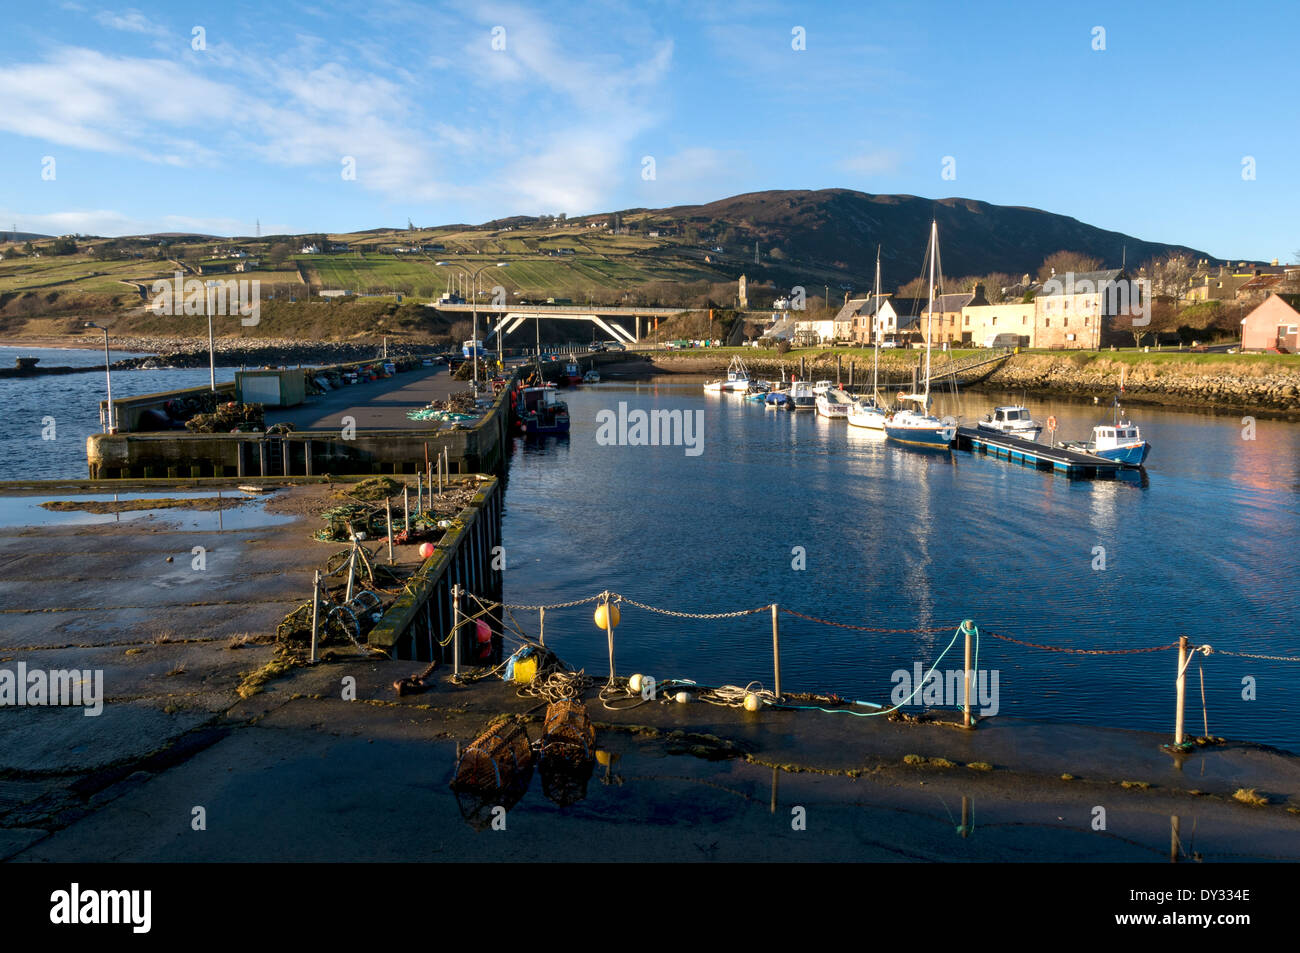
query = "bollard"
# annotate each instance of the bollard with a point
(1182, 690)
(776, 651)
(315, 613)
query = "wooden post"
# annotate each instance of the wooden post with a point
(1173, 838)
(839, 365)
(776, 650)
(1182, 689)
(388, 515)
(406, 511)
(419, 492)
(967, 627)
(315, 612)
(455, 629)
(801, 371)
(852, 366)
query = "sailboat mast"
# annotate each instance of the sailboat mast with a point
(875, 319)
(929, 324)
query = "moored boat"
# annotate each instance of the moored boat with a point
(920, 428)
(737, 378)
(540, 411)
(802, 396)
(1014, 419)
(834, 404)
(1120, 441)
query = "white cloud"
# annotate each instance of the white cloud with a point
(132, 21)
(114, 222)
(868, 161)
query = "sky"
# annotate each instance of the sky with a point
(1171, 122)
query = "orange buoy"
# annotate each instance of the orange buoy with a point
(426, 550)
(1051, 422)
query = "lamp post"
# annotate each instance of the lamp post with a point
(212, 352)
(108, 376)
(473, 276)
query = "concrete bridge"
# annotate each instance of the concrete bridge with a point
(611, 320)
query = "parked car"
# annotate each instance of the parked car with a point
(595, 346)
(885, 344)
(613, 346)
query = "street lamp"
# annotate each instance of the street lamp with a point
(212, 353)
(108, 376)
(473, 276)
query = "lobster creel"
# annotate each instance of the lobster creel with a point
(500, 759)
(568, 732)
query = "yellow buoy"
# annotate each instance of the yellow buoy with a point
(607, 611)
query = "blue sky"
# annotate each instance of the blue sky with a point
(1147, 136)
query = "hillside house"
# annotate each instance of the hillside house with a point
(1088, 309)
(1274, 324)
(947, 324)
(981, 322)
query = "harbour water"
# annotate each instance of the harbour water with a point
(894, 538)
(73, 401)
(888, 538)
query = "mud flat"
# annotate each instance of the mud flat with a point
(200, 709)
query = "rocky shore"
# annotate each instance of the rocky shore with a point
(234, 352)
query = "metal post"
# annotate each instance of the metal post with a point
(1182, 689)
(1205, 715)
(455, 629)
(967, 626)
(609, 632)
(541, 626)
(406, 511)
(315, 611)
(108, 381)
(352, 567)
(212, 350)
(419, 492)
(388, 515)
(776, 650)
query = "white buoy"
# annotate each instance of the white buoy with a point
(682, 697)
(634, 683)
(753, 702)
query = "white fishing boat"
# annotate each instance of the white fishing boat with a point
(802, 396)
(1013, 419)
(737, 378)
(834, 404)
(821, 387)
(918, 427)
(866, 412)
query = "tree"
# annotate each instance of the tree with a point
(1171, 276)
(1060, 262)
(278, 254)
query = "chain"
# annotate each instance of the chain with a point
(861, 628)
(1271, 658)
(687, 615)
(1056, 648)
(558, 605)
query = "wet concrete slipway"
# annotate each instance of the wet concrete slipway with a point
(295, 772)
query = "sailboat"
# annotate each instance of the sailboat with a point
(866, 412)
(920, 428)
